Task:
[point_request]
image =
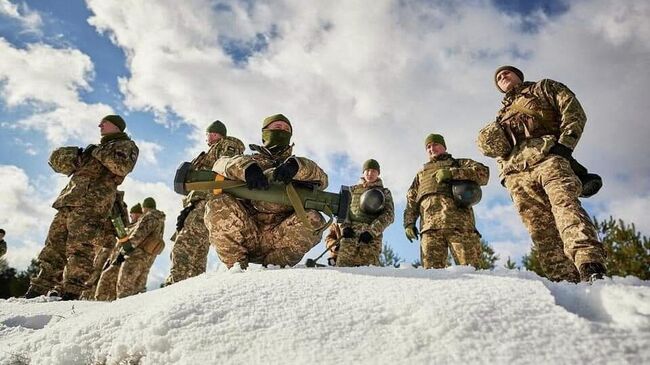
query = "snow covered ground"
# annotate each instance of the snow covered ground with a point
(334, 316)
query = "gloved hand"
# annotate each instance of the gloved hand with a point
(118, 260)
(411, 233)
(365, 237)
(255, 178)
(348, 232)
(182, 216)
(286, 171)
(561, 150)
(443, 174)
(127, 248)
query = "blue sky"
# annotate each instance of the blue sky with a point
(358, 81)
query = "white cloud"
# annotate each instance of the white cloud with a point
(49, 81)
(148, 151)
(28, 18)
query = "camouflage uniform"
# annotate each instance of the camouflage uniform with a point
(3, 248)
(66, 261)
(351, 251)
(189, 255)
(248, 231)
(147, 238)
(444, 225)
(106, 288)
(535, 117)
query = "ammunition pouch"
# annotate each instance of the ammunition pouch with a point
(153, 246)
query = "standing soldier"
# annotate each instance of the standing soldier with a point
(254, 231)
(371, 212)
(107, 284)
(532, 139)
(190, 252)
(444, 222)
(138, 253)
(66, 261)
(105, 245)
(3, 244)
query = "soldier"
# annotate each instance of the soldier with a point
(444, 223)
(532, 139)
(107, 284)
(189, 255)
(66, 261)
(3, 244)
(359, 239)
(139, 252)
(253, 231)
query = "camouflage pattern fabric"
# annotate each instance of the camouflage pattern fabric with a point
(465, 247)
(106, 289)
(444, 225)
(189, 255)
(83, 207)
(133, 273)
(535, 116)
(352, 252)
(256, 231)
(3, 248)
(548, 192)
(66, 261)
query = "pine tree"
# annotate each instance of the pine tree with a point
(7, 277)
(628, 252)
(511, 265)
(488, 257)
(531, 263)
(388, 257)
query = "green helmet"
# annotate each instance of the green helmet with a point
(466, 193)
(64, 160)
(372, 201)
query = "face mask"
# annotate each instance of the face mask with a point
(275, 137)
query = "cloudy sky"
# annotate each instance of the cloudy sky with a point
(358, 79)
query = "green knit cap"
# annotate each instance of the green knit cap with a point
(149, 203)
(116, 120)
(371, 164)
(275, 117)
(217, 127)
(513, 69)
(136, 209)
(435, 138)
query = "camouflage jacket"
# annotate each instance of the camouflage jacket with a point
(234, 167)
(535, 116)
(94, 183)
(147, 232)
(383, 220)
(438, 210)
(225, 147)
(3, 248)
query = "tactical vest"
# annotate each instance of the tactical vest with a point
(356, 214)
(529, 116)
(427, 179)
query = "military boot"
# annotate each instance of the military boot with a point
(592, 271)
(32, 292)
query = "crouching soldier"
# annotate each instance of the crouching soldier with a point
(445, 222)
(254, 231)
(358, 240)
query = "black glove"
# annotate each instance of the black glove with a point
(331, 261)
(118, 260)
(182, 216)
(286, 171)
(365, 237)
(255, 178)
(348, 232)
(561, 150)
(127, 248)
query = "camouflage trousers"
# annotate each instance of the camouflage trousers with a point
(354, 253)
(238, 237)
(546, 197)
(189, 256)
(106, 288)
(66, 260)
(126, 279)
(104, 244)
(465, 247)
